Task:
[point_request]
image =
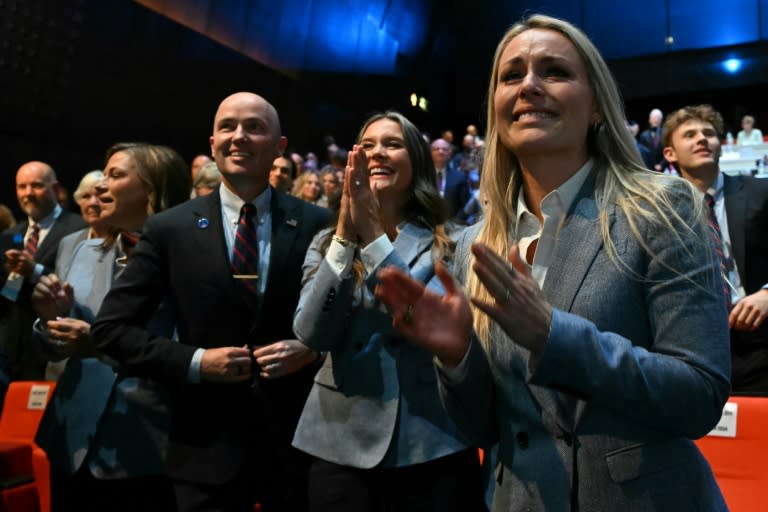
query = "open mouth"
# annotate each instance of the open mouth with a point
(533, 115)
(380, 171)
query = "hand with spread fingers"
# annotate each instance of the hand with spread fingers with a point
(282, 358)
(226, 364)
(441, 324)
(520, 308)
(52, 298)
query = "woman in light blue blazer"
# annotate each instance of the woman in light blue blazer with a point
(373, 420)
(105, 432)
(595, 348)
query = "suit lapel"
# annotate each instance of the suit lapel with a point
(411, 242)
(735, 199)
(579, 242)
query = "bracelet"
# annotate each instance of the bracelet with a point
(343, 241)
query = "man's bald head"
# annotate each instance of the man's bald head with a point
(245, 141)
(36, 188)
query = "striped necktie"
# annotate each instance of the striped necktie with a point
(245, 254)
(717, 237)
(33, 239)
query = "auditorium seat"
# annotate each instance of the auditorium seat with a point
(739, 462)
(23, 465)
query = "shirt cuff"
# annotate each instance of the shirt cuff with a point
(193, 374)
(39, 269)
(456, 374)
(376, 252)
(340, 258)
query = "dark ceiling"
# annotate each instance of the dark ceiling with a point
(78, 75)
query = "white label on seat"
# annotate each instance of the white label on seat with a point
(727, 425)
(38, 396)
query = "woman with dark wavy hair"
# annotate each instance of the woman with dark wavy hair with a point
(373, 420)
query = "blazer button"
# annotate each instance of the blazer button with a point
(522, 440)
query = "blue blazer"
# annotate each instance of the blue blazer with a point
(375, 400)
(117, 425)
(635, 366)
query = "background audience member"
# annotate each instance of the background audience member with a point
(7, 220)
(241, 377)
(307, 187)
(373, 419)
(451, 183)
(738, 211)
(749, 135)
(104, 431)
(87, 198)
(28, 250)
(208, 179)
(330, 183)
(282, 174)
(597, 352)
(652, 138)
(197, 163)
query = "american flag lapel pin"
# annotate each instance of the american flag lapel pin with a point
(292, 222)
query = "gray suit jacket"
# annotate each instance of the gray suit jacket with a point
(635, 366)
(117, 425)
(375, 400)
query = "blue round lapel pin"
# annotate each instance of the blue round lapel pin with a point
(202, 223)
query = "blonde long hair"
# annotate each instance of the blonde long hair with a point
(621, 178)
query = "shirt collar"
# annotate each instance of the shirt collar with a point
(716, 190)
(566, 192)
(47, 221)
(232, 203)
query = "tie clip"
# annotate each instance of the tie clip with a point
(245, 276)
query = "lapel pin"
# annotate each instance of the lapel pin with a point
(202, 223)
(292, 222)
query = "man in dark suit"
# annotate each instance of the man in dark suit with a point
(29, 251)
(451, 183)
(652, 138)
(240, 376)
(740, 205)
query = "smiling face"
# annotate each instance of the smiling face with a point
(389, 164)
(246, 140)
(280, 175)
(310, 190)
(543, 103)
(123, 195)
(36, 188)
(694, 149)
(90, 206)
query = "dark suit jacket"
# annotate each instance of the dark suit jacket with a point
(746, 205)
(182, 258)
(16, 318)
(456, 192)
(657, 150)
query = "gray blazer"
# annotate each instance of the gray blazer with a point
(375, 400)
(116, 425)
(635, 366)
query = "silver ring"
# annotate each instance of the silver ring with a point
(271, 366)
(59, 343)
(357, 183)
